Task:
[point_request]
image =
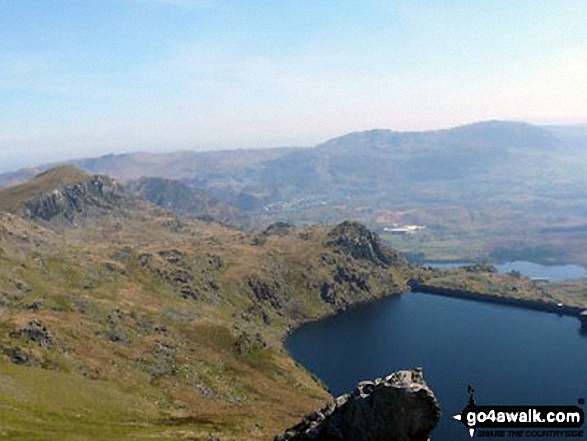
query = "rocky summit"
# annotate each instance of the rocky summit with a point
(75, 200)
(355, 239)
(399, 407)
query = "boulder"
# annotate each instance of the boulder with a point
(399, 407)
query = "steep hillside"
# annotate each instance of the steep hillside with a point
(13, 199)
(145, 325)
(67, 196)
(573, 135)
(184, 200)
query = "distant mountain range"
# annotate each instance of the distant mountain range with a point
(375, 163)
(376, 160)
(140, 164)
(478, 181)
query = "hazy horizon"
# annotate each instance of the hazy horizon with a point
(95, 77)
(43, 158)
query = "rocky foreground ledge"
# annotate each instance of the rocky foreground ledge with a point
(399, 407)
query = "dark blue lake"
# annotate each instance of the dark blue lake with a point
(510, 355)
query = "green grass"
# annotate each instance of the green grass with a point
(130, 358)
(41, 405)
(37, 404)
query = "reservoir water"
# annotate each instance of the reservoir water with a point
(554, 273)
(511, 356)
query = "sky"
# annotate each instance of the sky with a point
(88, 77)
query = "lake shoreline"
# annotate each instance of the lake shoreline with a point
(415, 287)
(510, 355)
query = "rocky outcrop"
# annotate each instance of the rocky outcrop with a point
(246, 343)
(34, 332)
(398, 408)
(278, 229)
(266, 291)
(71, 201)
(356, 240)
(347, 284)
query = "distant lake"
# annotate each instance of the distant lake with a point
(510, 355)
(555, 273)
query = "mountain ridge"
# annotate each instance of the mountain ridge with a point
(66, 195)
(13, 198)
(143, 164)
(522, 134)
(473, 185)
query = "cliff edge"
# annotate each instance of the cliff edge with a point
(399, 407)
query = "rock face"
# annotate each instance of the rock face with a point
(400, 407)
(70, 201)
(357, 240)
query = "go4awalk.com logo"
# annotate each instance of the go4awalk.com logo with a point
(522, 421)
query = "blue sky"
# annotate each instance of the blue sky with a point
(86, 77)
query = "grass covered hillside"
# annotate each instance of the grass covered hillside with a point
(120, 321)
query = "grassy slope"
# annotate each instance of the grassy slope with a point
(155, 330)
